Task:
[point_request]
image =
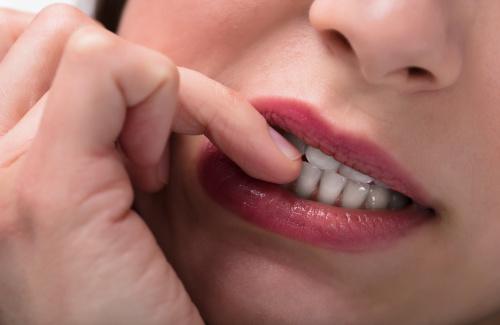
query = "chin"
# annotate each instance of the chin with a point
(238, 272)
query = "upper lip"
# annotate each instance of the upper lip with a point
(302, 120)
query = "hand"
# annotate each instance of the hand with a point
(85, 116)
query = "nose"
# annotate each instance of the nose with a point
(410, 45)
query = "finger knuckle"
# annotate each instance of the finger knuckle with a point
(171, 72)
(168, 73)
(88, 42)
(159, 65)
(61, 11)
(59, 19)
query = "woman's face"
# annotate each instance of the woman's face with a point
(418, 81)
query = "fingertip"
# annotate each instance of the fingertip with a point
(288, 173)
(284, 164)
(284, 146)
(236, 128)
(282, 171)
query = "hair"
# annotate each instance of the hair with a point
(109, 12)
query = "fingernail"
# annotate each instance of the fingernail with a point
(284, 146)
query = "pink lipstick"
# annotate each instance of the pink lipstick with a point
(276, 209)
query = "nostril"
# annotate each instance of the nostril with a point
(338, 38)
(410, 78)
(344, 41)
(419, 74)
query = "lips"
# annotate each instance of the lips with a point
(274, 208)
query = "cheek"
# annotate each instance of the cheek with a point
(466, 153)
(476, 120)
(172, 27)
(200, 34)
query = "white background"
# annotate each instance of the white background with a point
(35, 5)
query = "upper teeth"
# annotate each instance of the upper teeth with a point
(320, 160)
(335, 183)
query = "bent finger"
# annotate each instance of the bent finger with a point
(236, 127)
(28, 68)
(96, 97)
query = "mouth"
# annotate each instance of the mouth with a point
(326, 180)
(350, 195)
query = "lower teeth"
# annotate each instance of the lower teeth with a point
(329, 187)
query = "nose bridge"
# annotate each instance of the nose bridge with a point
(409, 44)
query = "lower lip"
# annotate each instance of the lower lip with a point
(274, 208)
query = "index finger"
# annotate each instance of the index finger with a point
(235, 127)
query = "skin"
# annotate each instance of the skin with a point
(67, 188)
(68, 221)
(442, 127)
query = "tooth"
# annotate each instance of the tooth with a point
(379, 183)
(354, 195)
(354, 174)
(398, 201)
(330, 186)
(378, 198)
(297, 143)
(320, 160)
(308, 180)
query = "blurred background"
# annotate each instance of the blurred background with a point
(89, 6)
